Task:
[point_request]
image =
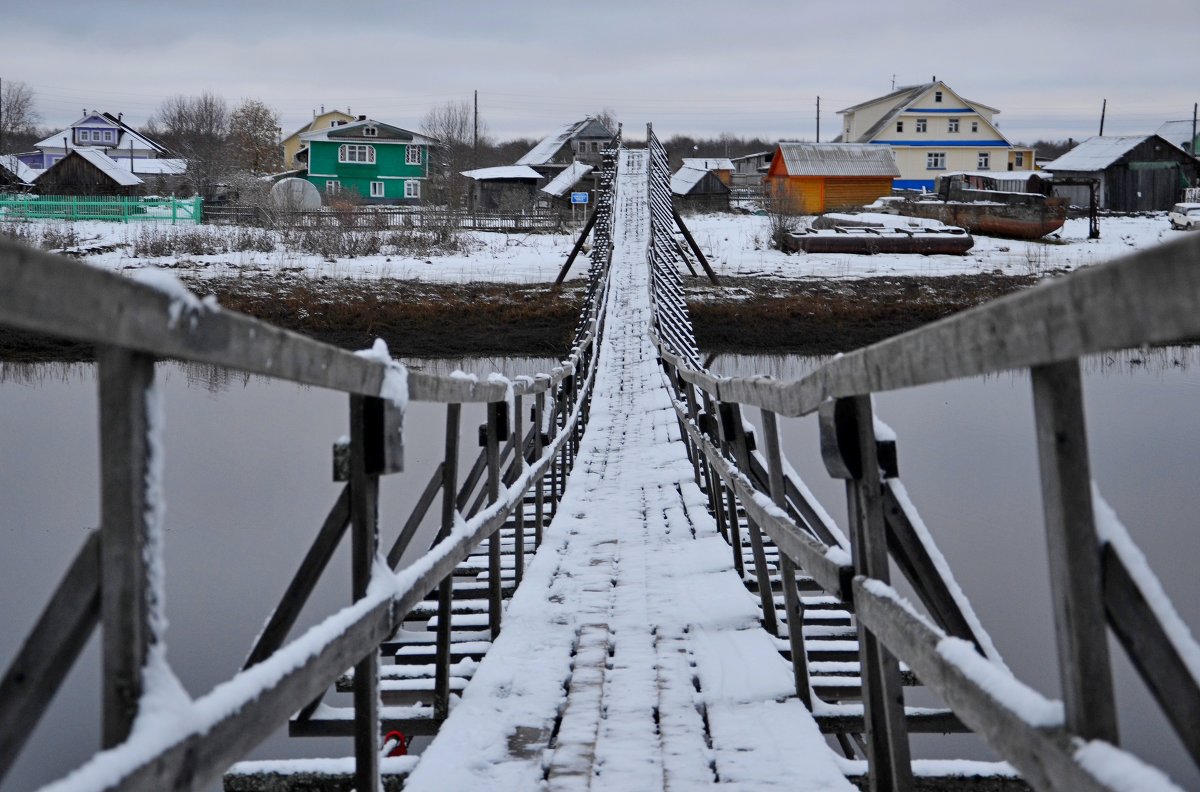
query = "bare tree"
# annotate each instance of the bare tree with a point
(18, 116)
(452, 125)
(197, 128)
(254, 137)
(608, 117)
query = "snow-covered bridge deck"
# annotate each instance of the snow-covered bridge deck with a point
(631, 620)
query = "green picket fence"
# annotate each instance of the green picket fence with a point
(116, 208)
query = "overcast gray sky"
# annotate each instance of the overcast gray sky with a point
(751, 67)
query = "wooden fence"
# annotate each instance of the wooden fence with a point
(365, 218)
(1148, 298)
(114, 578)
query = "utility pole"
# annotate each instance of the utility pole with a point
(2, 116)
(818, 119)
(475, 139)
(1103, 109)
(1195, 105)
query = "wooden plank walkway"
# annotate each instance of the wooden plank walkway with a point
(631, 621)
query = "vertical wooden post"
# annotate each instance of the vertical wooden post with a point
(883, 696)
(441, 694)
(1074, 552)
(495, 584)
(364, 541)
(732, 417)
(518, 439)
(539, 498)
(125, 379)
(793, 607)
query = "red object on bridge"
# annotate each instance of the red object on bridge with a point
(401, 746)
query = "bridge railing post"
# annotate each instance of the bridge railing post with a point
(127, 547)
(1074, 552)
(441, 695)
(539, 496)
(364, 538)
(518, 440)
(848, 446)
(731, 419)
(792, 604)
(497, 420)
(717, 494)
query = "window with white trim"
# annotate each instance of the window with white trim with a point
(899, 126)
(376, 189)
(974, 126)
(108, 136)
(412, 156)
(412, 189)
(356, 152)
(1019, 159)
(953, 125)
(84, 135)
(935, 160)
(333, 187)
(370, 131)
(922, 124)
(985, 161)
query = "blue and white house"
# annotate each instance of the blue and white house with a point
(107, 133)
(932, 130)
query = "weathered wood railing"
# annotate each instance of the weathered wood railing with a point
(115, 578)
(1148, 298)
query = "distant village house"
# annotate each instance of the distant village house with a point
(810, 178)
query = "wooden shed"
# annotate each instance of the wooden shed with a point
(87, 172)
(699, 190)
(810, 178)
(1136, 173)
(503, 188)
(15, 176)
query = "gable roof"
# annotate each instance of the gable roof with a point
(902, 99)
(309, 126)
(549, 146)
(20, 170)
(837, 159)
(503, 172)
(107, 165)
(708, 163)
(563, 182)
(125, 134)
(1096, 153)
(1177, 133)
(353, 131)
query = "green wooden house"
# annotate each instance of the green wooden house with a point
(379, 162)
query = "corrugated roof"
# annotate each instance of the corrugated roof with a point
(550, 145)
(153, 167)
(1096, 153)
(838, 159)
(503, 172)
(563, 182)
(708, 163)
(325, 133)
(1176, 133)
(124, 134)
(17, 168)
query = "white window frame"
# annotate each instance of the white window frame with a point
(412, 156)
(412, 188)
(952, 125)
(333, 187)
(899, 126)
(84, 135)
(1019, 159)
(935, 160)
(922, 124)
(377, 189)
(359, 153)
(984, 161)
(974, 126)
(108, 136)
(370, 131)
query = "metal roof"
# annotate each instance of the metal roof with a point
(838, 159)
(708, 163)
(125, 133)
(685, 179)
(395, 134)
(17, 168)
(106, 164)
(1177, 133)
(1096, 153)
(564, 181)
(546, 149)
(503, 172)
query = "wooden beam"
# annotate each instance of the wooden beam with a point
(49, 651)
(1152, 652)
(496, 412)
(578, 246)
(125, 382)
(365, 426)
(441, 696)
(303, 582)
(415, 517)
(1073, 551)
(712, 276)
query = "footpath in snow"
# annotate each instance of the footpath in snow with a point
(630, 621)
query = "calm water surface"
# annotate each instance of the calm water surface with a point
(248, 483)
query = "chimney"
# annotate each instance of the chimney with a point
(322, 109)
(362, 118)
(119, 117)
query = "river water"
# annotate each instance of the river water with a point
(248, 483)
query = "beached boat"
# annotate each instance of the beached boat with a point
(1020, 215)
(870, 239)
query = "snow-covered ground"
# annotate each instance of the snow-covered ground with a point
(735, 244)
